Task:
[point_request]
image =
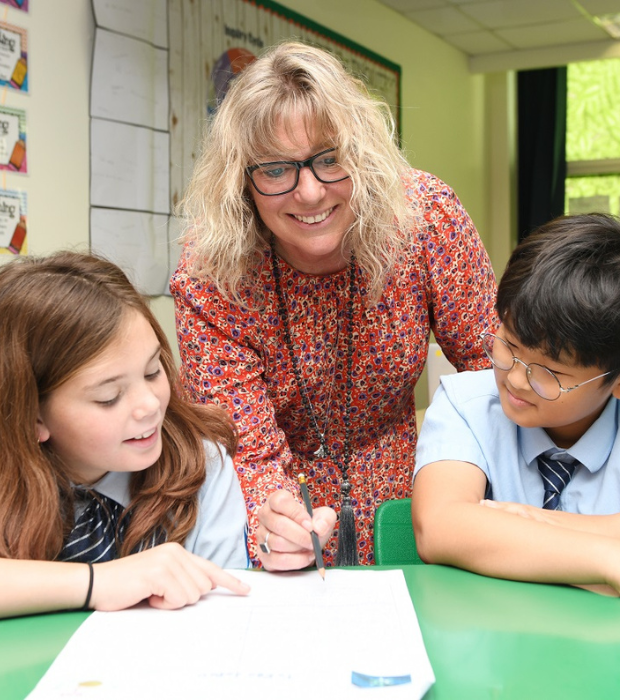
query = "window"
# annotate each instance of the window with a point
(593, 137)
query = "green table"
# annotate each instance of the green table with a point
(489, 639)
(485, 639)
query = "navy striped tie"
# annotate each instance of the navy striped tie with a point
(97, 531)
(556, 472)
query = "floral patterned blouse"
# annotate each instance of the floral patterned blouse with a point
(239, 358)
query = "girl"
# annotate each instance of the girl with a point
(100, 463)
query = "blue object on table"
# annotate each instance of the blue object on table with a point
(365, 681)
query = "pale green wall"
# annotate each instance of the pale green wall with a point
(449, 117)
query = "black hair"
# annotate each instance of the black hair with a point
(560, 292)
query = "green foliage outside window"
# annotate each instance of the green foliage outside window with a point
(593, 133)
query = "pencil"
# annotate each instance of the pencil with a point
(318, 555)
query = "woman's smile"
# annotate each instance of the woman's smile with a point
(313, 207)
(314, 219)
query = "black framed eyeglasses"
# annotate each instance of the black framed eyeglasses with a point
(282, 176)
(542, 380)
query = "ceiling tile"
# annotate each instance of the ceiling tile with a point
(482, 27)
(444, 21)
(413, 5)
(479, 43)
(508, 13)
(552, 34)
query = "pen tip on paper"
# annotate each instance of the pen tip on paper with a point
(322, 573)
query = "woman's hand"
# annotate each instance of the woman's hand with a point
(168, 576)
(285, 525)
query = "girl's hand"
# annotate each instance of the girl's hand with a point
(286, 525)
(168, 576)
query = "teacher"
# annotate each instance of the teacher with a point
(316, 264)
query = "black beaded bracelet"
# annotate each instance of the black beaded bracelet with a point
(91, 580)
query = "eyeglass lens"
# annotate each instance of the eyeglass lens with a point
(542, 381)
(280, 177)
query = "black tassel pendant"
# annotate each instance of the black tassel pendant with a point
(347, 539)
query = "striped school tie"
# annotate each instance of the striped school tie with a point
(96, 532)
(556, 472)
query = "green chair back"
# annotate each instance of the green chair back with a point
(394, 538)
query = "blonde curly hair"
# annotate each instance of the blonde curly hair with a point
(294, 80)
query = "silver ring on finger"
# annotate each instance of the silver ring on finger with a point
(264, 546)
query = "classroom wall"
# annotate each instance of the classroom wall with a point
(448, 118)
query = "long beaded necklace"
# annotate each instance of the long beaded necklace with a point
(347, 541)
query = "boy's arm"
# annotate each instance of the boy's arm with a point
(452, 528)
(608, 525)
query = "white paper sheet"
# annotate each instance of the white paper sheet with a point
(129, 167)
(130, 139)
(137, 242)
(143, 19)
(294, 636)
(130, 81)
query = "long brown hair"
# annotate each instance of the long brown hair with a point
(58, 313)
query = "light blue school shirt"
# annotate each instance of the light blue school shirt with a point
(220, 532)
(465, 422)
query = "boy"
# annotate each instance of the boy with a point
(480, 499)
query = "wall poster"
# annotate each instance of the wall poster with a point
(12, 222)
(17, 4)
(13, 57)
(13, 140)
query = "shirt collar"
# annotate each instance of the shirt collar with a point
(114, 485)
(592, 449)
